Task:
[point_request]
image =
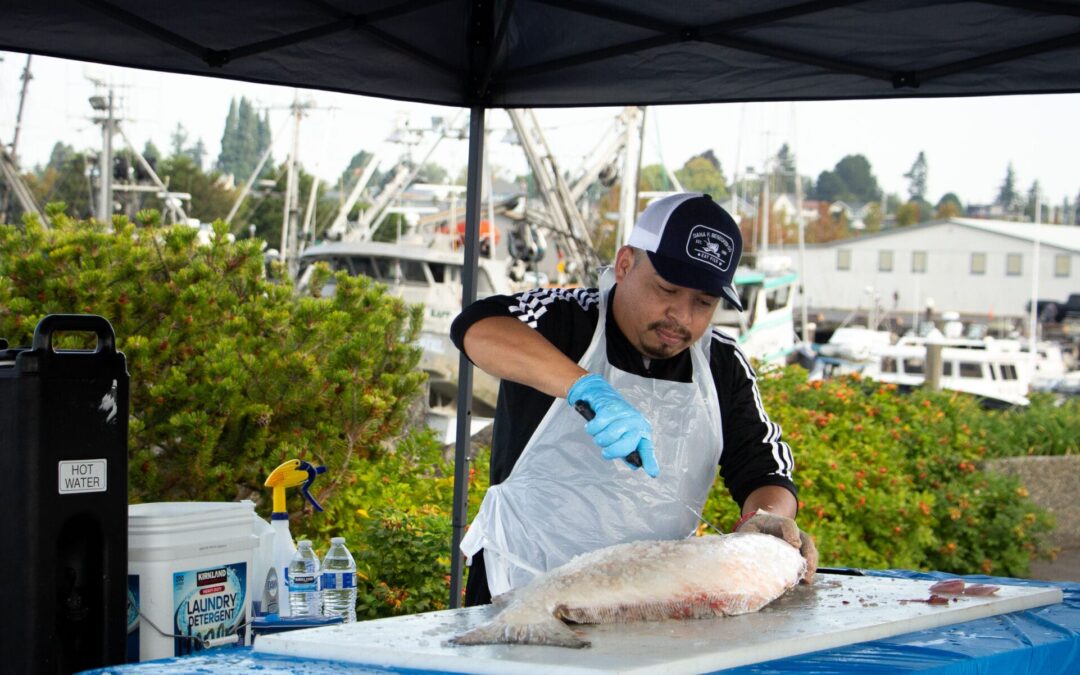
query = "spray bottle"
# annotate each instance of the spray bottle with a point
(289, 474)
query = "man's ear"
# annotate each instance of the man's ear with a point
(624, 261)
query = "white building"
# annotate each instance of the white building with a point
(975, 267)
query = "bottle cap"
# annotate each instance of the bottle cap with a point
(337, 540)
(304, 543)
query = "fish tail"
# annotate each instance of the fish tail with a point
(542, 629)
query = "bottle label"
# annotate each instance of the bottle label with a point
(303, 583)
(335, 580)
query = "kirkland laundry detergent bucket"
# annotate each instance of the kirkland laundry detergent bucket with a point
(189, 577)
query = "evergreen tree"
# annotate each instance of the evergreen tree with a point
(784, 171)
(151, 154)
(1008, 198)
(1034, 196)
(247, 135)
(916, 176)
(227, 159)
(178, 140)
(197, 153)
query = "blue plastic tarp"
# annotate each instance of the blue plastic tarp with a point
(1043, 641)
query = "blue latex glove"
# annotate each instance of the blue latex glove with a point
(618, 428)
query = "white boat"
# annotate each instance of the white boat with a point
(765, 329)
(994, 370)
(430, 275)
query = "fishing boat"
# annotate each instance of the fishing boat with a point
(765, 329)
(426, 272)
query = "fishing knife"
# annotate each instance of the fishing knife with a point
(583, 407)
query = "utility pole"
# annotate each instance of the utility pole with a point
(104, 106)
(26, 77)
(628, 193)
(291, 214)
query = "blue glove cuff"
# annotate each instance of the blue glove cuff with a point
(583, 383)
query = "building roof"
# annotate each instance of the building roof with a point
(1061, 236)
(1065, 237)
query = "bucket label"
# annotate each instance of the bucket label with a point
(83, 475)
(208, 603)
(133, 618)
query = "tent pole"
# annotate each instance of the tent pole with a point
(465, 373)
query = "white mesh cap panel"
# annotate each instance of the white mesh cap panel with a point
(650, 224)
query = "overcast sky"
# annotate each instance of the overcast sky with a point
(968, 142)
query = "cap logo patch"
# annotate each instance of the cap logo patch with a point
(710, 247)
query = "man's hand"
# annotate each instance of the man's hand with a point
(618, 428)
(786, 529)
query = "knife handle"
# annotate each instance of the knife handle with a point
(583, 407)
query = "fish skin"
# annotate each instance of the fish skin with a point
(645, 581)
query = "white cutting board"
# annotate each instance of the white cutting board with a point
(837, 610)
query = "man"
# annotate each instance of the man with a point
(665, 392)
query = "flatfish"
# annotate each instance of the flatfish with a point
(695, 578)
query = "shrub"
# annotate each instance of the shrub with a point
(231, 374)
(888, 479)
(396, 515)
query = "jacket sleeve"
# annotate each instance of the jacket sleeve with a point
(562, 315)
(755, 453)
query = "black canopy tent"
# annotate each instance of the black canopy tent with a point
(481, 54)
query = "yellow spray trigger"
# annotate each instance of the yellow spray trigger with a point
(291, 474)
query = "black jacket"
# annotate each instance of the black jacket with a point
(754, 454)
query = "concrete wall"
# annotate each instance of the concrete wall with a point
(1054, 483)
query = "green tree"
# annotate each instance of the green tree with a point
(244, 140)
(949, 206)
(151, 154)
(1034, 196)
(851, 180)
(64, 179)
(783, 173)
(1008, 198)
(654, 178)
(908, 214)
(917, 177)
(702, 173)
(210, 200)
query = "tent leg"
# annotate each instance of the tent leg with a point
(465, 373)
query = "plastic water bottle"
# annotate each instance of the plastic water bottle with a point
(304, 599)
(339, 581)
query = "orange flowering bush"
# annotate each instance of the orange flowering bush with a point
(888, 479)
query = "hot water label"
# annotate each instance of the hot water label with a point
(83, 475)
(208, 603)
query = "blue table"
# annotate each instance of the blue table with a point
(1044, 641)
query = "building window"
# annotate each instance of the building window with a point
(918, 262)
(884, 261)
(843, 259)
(1062, 265)
(1014, 264)
(978, 263)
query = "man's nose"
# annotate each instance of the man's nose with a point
(680, 310)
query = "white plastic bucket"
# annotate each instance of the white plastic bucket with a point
(189, 574)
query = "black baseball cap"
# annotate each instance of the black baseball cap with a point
(692, 242)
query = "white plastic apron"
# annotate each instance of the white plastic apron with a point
(563, 498)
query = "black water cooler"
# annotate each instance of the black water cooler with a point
(63, 481)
